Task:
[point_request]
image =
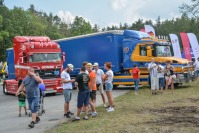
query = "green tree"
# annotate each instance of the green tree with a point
(80, 27)
(190, 9)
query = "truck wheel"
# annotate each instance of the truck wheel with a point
(4, 89)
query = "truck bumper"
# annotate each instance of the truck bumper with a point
(52, 86)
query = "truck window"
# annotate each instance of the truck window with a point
(163, 51)
(48, 57)
(142, 50)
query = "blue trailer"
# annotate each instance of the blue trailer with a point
(123, 49)
(10, 63)
(97, 47)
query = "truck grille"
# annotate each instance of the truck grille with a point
(48, 74)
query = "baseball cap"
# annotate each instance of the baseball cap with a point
(70, 66)
(96, 64)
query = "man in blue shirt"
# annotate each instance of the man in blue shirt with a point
(31, 84)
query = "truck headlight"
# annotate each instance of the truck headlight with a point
(32, 46)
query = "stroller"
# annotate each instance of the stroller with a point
(41, 109)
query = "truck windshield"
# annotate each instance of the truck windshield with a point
(163, 51)
(51, 57)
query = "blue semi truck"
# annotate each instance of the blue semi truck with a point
(123, 49)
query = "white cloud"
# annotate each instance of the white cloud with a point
(132, 10)
(118, 4)
(66, 16)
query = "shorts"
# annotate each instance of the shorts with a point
(196, 73)
(83, 98)
(67, 95)
(33, 104)
(100, 88)
(108, 86)
(93, 94)
(154, 83)
(161, 82)
(22, 104)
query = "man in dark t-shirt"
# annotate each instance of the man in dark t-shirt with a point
(83, 95)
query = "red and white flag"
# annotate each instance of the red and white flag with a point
(149, 29)
(186, 45)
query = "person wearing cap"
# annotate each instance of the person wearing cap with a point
(169, 76)
(161, 77)
(81, 82)
(152, 67)
(196, 67)
(67, 88)
(99, 83)
(93, 88)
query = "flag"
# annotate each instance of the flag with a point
(175, 45)
(150, 30)
(194, 44)
(186, 45)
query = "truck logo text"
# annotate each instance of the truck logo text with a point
(47, 67)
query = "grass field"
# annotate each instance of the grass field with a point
(164, 113)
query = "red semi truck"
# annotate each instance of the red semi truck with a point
(37, 52)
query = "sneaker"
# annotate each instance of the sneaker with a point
(67, 115)
(32, 124)
(76, 119)
(26, 113)
(94, 114)
(19, 115)
(90, 113)
(37, 119)
(104, 105)
(70, 113)
(109, 106)
(110, 110)
(85, 118)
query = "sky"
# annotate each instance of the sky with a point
(105, 12)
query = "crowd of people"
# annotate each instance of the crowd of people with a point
(87, 82)
(159, 77)
(90, 79)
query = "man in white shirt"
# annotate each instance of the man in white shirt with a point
(99, 83)
(67, 88)
(196, 66)
(152, 67)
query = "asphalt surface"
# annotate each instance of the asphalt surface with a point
(11, 123)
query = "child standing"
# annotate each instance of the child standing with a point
(22, 102)
(136, 74)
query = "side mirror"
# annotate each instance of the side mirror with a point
(63, 56)
(149, 51)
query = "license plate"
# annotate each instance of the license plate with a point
(50, 90)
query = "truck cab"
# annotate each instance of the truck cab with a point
(40, 53)
(139, 48)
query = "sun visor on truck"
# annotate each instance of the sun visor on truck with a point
(135, 34)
